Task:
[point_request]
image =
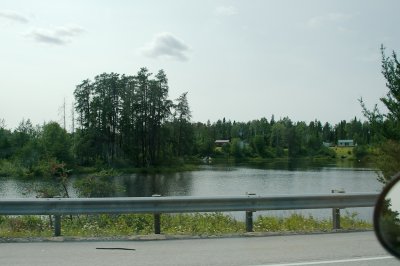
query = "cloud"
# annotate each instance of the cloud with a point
(319, 21)
(225, 11)
(57, 36)
(166, 45)
(12, 15)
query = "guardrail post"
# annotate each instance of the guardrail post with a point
(249, 221)
(57, 225)
(336, 212)
(336, 218)
(157, 219)
(249, 216)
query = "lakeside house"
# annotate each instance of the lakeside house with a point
(346, 143)
(221, 142)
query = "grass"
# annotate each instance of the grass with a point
(300, 223)
(180, 224)
(344, 152)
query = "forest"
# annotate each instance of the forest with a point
(130, 121)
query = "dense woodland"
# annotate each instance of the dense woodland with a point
(129, 121)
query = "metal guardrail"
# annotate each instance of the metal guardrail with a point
(158, 205)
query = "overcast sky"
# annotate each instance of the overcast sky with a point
(241, 60)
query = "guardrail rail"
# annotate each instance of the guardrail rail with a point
(158, 205)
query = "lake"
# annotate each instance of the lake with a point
(236, 180)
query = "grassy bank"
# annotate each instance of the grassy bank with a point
(185, 224)
(344, 152)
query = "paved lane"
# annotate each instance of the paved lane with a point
(352, 249)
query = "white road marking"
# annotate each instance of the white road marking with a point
(328, 261)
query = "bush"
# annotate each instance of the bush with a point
(24, 226)
(360, 151)
(10, 169)
(325, 151)
(99, 184)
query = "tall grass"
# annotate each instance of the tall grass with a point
(180, 224)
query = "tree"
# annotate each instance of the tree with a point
(25, 143)
(388, 125)
(159, 111)
(258, 144)
(391, 72)
(237, 148)
(125, 118)
(6, 149)
(183, 129)
(56, 143)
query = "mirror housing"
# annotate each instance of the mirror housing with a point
(387, 217)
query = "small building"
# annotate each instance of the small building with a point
(221, 142)
(345, 143)
(327, 144)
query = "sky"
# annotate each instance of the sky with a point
(239, 60)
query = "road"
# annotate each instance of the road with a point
(341, 249)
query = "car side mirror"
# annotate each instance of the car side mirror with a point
(387, 217)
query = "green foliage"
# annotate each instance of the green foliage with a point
(200, 224)
(99, 184)
(295, 222)
(24, 226)
(350, 221)
(259, 145)
(388, 124)
(237, 147)
(344, 152)
(57, 177)
(129, 121)
(360, 151)
(130, 117)
(56, 143)
(10, 169)
(391, 72)
(327, 152)
(108, 225)
(300, 223)
(6, 147)
(388, 160)
(188, 224)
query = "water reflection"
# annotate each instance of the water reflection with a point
(143, 185)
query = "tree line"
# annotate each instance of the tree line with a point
(131, 121)
(167, 138)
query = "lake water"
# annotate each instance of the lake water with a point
(235, 180)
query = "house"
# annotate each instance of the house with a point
(221, 142)
(345, 143)
(327, 144)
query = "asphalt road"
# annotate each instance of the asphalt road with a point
(321, 249)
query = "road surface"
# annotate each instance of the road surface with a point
(341, 249)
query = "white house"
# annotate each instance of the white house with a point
(221, 142)
(345, 143)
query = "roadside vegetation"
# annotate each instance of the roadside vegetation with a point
(181, 224)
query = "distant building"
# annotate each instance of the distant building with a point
(221, 142)
(327, 144)
(345, 143)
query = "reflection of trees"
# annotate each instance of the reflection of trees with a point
(145, 185)
(390, 226)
